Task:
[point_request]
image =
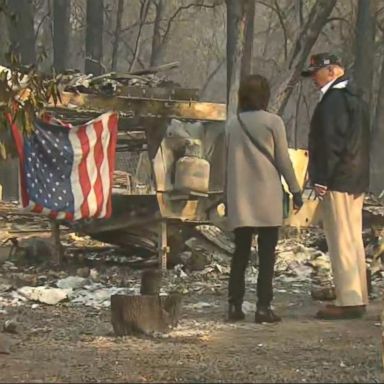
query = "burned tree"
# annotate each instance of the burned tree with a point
(377, 170)
(144, 9)
(157, 40)
(61, 33)
(365, 47)
(21, 30)
(94, 37)
(307, 37)
(237, 20)
(116, 36)
(363, 71)
(246, 66)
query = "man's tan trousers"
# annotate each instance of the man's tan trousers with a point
(342, 220)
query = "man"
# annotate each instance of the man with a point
(339, 170)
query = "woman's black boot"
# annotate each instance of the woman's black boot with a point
(235, 313)
(264, 314)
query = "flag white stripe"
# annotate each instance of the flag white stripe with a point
(91, 169)
(46, 211)
(104, 170)
(61, 215)
(75, 180)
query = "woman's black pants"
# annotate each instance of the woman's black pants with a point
(267, 241)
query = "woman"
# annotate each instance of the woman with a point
(257, 157)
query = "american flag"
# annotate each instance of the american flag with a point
(66, 171)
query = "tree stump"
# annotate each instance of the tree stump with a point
(145, 313)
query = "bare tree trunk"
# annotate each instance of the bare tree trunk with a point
(143, 16)
(377, 140)
(246, 67)
(363, 76)
(268, 33)
(210, 77)
(306, 39)
(300, 16)
(4, 41)
(157, 44)
(116, 37)
(61, 34)
(21, 30)
(236, 29)
(365, 47)
(94, 37)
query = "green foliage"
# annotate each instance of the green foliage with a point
(23, 94)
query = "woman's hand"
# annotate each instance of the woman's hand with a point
(297, 200)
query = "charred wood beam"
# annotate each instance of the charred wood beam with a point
(146, 107)
(125, 221)
(129, 125)
(160, 93)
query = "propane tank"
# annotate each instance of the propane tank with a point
(192, 171)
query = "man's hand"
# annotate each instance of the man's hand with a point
(320, 190)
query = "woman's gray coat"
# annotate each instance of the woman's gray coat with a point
(253, 185)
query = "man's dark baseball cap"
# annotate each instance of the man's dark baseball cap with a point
(318, 61)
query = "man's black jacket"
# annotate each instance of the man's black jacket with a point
(339, 141)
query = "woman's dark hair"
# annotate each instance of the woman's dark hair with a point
(254, 93)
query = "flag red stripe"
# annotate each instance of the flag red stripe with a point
(99, 157)
(97, 128)
(53, 215)
(85, 183)
(37, 208)
(112, 126)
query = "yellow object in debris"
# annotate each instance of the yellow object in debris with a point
(299, 159)
(309, 214)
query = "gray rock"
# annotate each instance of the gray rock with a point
(83, 272)
(45, 295)
(72, 282)
(94, 275)
(10, 326)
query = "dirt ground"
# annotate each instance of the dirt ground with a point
(75, 344)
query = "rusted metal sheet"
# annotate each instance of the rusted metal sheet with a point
(192, 110)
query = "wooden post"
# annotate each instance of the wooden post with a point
(163, 245)
(57, 248)
(150, 282)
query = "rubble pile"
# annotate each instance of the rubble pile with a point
(94, 271)
(115, 84)
(297, 267)
(14, 222)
